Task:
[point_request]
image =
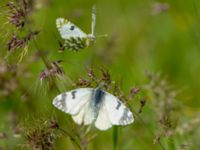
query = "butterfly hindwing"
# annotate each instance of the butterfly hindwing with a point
(117, 112)
(76, 43)
(79, 118)
(73, 101)
(103, 121)
(69, 30)
(85, 116)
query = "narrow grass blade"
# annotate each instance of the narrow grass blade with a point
(115, 137)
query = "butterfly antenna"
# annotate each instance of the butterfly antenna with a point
(104, 35)
(93, 19)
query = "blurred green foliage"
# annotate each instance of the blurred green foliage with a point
(143, 35)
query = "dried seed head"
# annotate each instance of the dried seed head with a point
(53, 124)
(166, 122)
(16, 42)
(53, 70)
(184, 146)
(41, 136)
(165, 104)
(3, 135)
(134, 91)
(83, 82)
(16, 15)
(18, 12)
(142, 104)
(159, 8)
(91, 74)
(105, 76)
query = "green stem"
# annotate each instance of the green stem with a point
(71, 138)
(115, 137)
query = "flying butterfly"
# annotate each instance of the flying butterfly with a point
(94, 106)
(74, 38)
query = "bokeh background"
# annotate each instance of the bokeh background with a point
(153, 45)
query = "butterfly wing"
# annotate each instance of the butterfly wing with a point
(69, 30)
(85, 116)
(103, 121)
(73, 101)
(77, 103)
(118, 113)
(113, 112)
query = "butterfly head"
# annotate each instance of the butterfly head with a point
(101, 85)
(90, 39)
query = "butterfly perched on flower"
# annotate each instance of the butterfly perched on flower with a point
(74, 38)
(94, 106)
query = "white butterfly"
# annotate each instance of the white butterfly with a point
(74, 37)
(94, 106)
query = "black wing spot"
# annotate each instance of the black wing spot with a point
(63, 99)
(74, 94)
(72, 27)
(118, 105)
(126, 117)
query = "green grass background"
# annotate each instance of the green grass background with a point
(167, 42)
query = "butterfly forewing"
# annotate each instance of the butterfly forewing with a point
(73, 101)
(68, 29)
(75, 38)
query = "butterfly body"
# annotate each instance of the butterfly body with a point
(94, 106)
(96, 101)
